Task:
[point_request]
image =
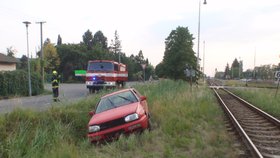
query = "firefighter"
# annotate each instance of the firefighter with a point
(55, 80)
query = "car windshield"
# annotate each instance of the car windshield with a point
(115, 101)
(101, 66)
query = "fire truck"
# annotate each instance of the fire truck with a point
(104, 74)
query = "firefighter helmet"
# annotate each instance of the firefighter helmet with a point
(54, 72)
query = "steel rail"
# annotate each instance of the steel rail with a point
(248, 142)
(261, 112)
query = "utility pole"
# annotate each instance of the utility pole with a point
(240, 68)
(28, 62)
(41, 52)
(203, 60)
(198, 32)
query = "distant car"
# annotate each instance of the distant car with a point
(121, 112)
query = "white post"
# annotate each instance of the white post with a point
(28, 62)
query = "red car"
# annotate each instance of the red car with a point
(121, 112)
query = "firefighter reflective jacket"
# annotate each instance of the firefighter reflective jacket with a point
(55, 81)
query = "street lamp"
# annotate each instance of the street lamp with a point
(41, 53)
(198, 32)
(240, 68)
(144, 67)
(28, 63)
(203, 60)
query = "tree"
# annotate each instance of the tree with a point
(227, 72)
(140, 58)
(100, 39)
(235, 63)
(149, 72)
(219, 75)
(76, 56)
(159, 70)
(51, 58)
(11, 51)
(178, 53)
(35, 65)
(87, 39)
(47, 41)
(59, 40)
(248, 74)
(240, 69)
(100, 48)
(116, 47)
(265, 72)
(235, 69)
(72, 57)
(23, 62)
(97, 52)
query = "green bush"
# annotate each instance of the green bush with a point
(16, 83)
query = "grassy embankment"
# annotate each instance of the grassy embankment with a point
(263, 98)
(185, 124)
(257, 84)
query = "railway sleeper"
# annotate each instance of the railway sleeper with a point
(270, 147)
(265, 137)
(270, 128)
(265, 141)
(269, 150)
(264, 132)
(270, 155)
(267, 124)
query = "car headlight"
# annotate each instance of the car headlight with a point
(94, 128)
(131, 117)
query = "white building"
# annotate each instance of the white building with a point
(7, 63)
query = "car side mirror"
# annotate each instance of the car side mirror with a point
(91, 113)
(142, 98)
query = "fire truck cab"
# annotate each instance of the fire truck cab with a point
(105, 73)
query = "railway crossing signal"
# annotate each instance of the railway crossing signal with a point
(190, 72)
(277, 74)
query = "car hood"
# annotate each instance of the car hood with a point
(113, 114)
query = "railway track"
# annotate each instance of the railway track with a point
(259, 131)
(215, 82)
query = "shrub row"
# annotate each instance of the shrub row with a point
(16, 83)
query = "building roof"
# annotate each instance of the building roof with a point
(7, 59)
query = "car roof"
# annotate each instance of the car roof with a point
(117, 92)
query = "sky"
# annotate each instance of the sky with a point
(231, 29)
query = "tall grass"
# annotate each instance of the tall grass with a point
(262, 98)
(185, 124)
(190, 121)
(254, 83)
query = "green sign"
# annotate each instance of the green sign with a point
(80, 72)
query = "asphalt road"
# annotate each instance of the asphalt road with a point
(67, 93)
